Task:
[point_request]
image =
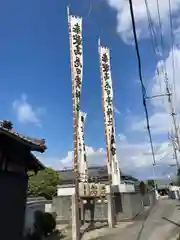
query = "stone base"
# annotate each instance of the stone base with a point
(75, 219)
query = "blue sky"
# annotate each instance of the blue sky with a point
(36, 81)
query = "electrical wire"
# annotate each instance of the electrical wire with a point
(141, 80)
(155, 46)
(166, 81)
(152, 33)
(162, 52)
(154, 41)
(163, 68)
(161, 35)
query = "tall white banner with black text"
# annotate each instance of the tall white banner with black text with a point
(107, 97)
(76, 46)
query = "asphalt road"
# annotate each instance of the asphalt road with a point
(162, 223)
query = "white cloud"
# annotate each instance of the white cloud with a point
(161, 120)
(160, 123)
(95, 157)
(158, 86)
(25, 112)
(124, 26)
(133, 157)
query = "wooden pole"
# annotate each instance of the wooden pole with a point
(75, 202)
(109, 197)
(105, 130)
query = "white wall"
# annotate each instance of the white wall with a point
(127, 187)
(69, 191)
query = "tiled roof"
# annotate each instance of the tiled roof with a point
(93, 172)
(36, 144)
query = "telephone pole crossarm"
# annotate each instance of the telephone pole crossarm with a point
(159, 95)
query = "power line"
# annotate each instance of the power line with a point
(163, 68)
(154, 42)
(161, 35)
(163, 52)
(154, 39)
(141, 80)
(152, 33)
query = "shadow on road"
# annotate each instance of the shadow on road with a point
(92, 227)
(177, 224)
(57, 235)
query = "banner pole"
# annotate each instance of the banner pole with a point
(75, 199)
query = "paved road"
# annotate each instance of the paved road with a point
(162, 223)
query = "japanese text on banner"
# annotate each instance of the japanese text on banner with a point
(82, 148)
(77, 57)
(108, 98)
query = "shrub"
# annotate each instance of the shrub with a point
(45, 223)
(49, 223)
(38, 222)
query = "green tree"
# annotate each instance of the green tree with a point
(43, 184)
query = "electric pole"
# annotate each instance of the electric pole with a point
(174, 145)
(174, 139)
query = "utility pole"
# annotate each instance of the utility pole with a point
(174, 145)
(173, 114)
(175, 139)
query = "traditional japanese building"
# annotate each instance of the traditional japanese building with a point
(98, 173)
(95, 174)
(16, 158)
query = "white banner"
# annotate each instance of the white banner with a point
(83, 167)
(76, 47)
(107, 95)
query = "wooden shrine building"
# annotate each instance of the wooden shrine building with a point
(16, 159)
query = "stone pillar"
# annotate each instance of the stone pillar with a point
(82, 212)
(75, 220)
(111, 210)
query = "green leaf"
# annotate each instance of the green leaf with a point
(43, 184)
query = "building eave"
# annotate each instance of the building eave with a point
(36, 145)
